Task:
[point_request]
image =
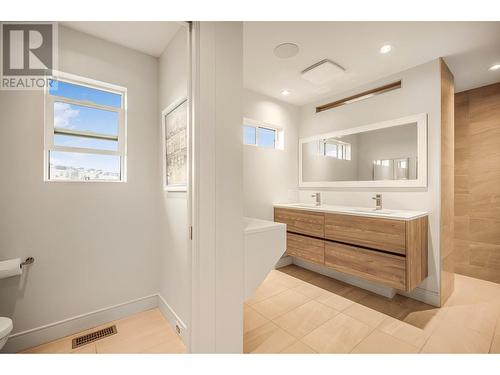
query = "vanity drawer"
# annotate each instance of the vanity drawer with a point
(375, 266)
(376, 233)
(298, 221)
(307, 248)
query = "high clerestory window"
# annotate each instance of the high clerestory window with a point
(262, 135)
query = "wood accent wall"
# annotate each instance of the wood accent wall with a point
(477, 183)
(447, 181)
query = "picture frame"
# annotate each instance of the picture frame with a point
(174, 145)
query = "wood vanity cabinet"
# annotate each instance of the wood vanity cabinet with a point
(375, 233)
(307, 248)
(391, 252)
(301, 221)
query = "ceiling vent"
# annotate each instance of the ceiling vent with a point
(322, 72)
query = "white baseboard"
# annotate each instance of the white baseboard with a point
(20, 341)
(174, 320)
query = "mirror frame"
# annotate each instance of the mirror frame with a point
(421, 181)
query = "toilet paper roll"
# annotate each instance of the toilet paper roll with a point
(11, 267)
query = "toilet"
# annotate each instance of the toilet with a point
(5, 329)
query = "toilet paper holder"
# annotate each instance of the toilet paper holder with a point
(27, 261)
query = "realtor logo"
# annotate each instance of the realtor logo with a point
(28, 54)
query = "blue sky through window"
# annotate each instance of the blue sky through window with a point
(267, 138)
(249, 135)
(83, 93)
(83, 118)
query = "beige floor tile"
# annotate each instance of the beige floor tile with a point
(305, 318)
(167, 346)
(252, 319)
(495, 345)
(404, 332)
(298, 272)
(266, 290)
(426, 320)
(284, 279)
(279, 304)
(60, 346)
(335, 301)
(298, 348)
(379, 342)
(87, 349)
(338, 335)
(456, 339)
(480, 317)
(396, 307)
(356, 294)
(268, 338)
(366, 315)
(332, 285)
(312, 291)
(139, 342)
(144, 332)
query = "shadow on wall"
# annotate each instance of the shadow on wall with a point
(12, 290)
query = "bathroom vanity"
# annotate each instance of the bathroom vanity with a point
(388, 247)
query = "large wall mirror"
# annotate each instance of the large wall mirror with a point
(386, 154)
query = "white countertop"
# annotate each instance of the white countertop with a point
(356, 211)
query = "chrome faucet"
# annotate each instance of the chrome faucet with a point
(378, 201)
(318, 198)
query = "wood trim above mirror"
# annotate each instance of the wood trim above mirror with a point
(360, 96)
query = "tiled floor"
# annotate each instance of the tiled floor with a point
(299, 311)
(146, 332)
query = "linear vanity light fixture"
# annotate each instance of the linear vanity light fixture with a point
(361, 96)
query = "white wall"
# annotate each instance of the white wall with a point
(420, 93)
(175, 256)
(270, 176)
(95, 244)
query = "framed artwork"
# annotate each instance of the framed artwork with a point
(174, 135)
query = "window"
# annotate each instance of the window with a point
(84, 130)
(262, 135)
(335, 149)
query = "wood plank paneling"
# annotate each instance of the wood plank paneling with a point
(376, 233)
(307, 248)
(375, 266)
(477, 180)
(301, 221)
(447, 181)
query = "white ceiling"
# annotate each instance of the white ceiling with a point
(469, 48)
(148, 37)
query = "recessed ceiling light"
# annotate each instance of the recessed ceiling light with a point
(495, 67)
(385, 49)
(286, 50)
(285, 92)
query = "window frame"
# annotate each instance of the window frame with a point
(49, 129)
(343, 148)
(279, 140)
